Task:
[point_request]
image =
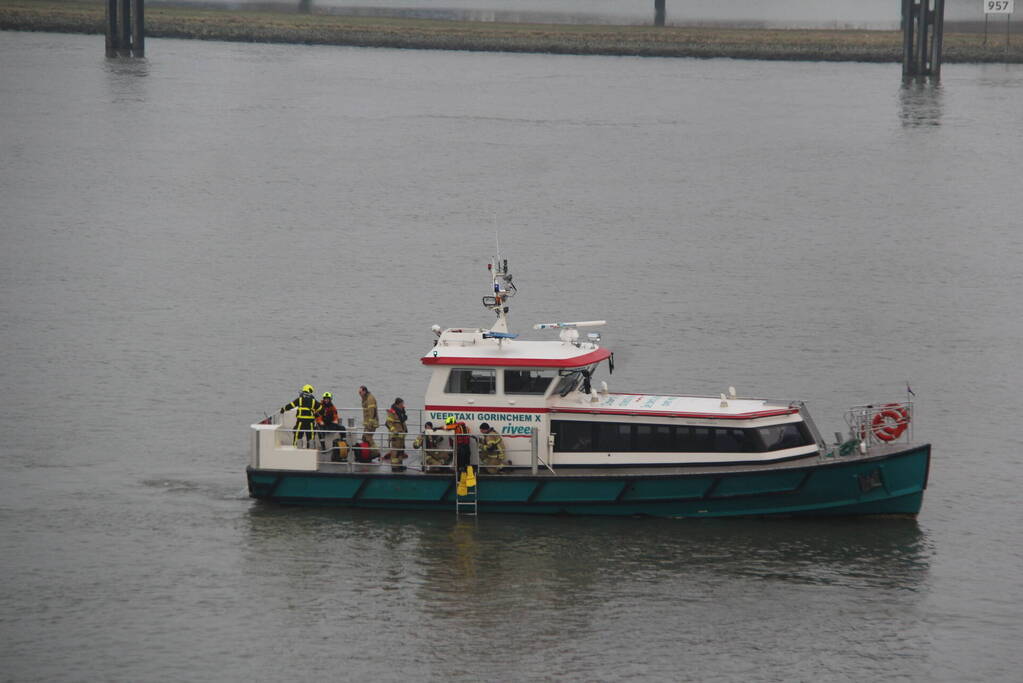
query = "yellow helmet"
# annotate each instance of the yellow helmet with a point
(449, 420)
(327, 394)
(308, 389)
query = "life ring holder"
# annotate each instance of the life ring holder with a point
(890, 423)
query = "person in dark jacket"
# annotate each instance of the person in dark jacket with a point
(306, 409)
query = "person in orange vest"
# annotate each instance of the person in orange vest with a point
(328, 424)
(328, 415)
(463, 454)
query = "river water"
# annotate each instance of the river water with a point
(188, 239)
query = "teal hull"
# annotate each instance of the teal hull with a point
(890, 484)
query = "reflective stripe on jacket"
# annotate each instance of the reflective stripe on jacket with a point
(306, 408)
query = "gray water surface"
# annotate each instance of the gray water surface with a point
(186, 240)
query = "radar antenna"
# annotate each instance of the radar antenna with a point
(570, 331)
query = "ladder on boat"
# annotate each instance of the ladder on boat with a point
(466, 489)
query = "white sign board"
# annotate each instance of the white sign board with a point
(998, 6)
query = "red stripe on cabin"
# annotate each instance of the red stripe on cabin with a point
(468, 409)
(777, 412)
(702, 416)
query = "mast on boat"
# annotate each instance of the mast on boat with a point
(503, 290)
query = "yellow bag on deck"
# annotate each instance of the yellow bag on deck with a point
(340, 453)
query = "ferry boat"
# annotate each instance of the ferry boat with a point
(572, 446)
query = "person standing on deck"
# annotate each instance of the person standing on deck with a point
(462, 450)
(492, 450)
(306, 409)
(397, 420)
(370, 418)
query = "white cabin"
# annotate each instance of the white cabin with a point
(519, 386)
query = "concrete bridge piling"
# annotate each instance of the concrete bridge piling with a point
(125, 22)
(923, 25)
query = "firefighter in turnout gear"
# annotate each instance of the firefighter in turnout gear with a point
(306, 409)
(370, 418)
(397, 420)
(491, 450)
(434, 457)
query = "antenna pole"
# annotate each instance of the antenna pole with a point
(497, 238)
(503, 289)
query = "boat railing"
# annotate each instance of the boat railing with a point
(878, 424)
(811, 425)
(332, 455)
(324, 440)
(349, 418)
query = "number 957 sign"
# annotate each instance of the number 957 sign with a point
(998, 6)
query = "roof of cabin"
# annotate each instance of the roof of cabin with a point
(469, 348)
(677, 406)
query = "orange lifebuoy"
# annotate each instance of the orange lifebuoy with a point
(889, 424)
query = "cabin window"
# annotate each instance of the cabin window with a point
(660, 439)
(732, 440)
(569, 380)
(652, 439)
(471, 381)
(614, 437)
(528, 381)
(694, 439)
(595, 437)
(780, 437)
(573, 437)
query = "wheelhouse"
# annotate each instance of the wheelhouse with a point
(544, 390)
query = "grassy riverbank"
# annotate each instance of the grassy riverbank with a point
(164, 21)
